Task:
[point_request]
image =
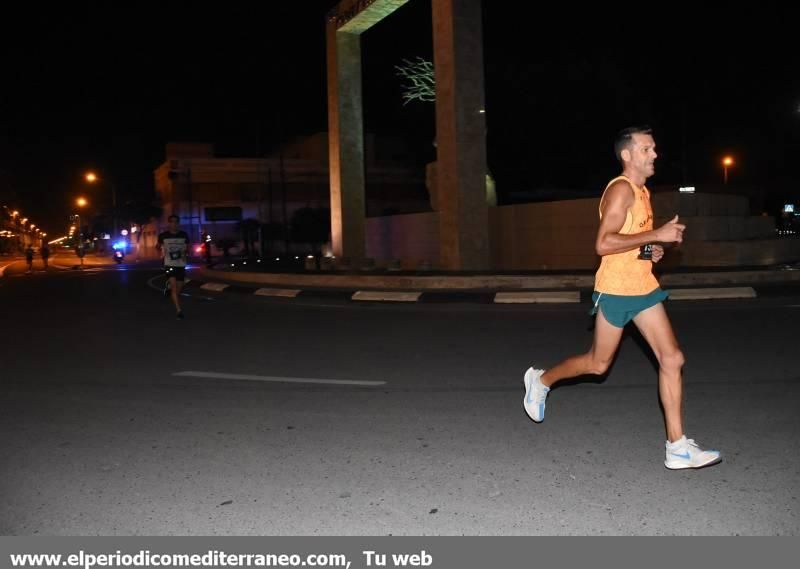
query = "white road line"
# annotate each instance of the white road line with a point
(273, 379)
(160, 289)
(279, 292)
(216, 287)
(4, 267)
(710, 293)
(63, 267)
(555, 297)
(378, 295)
(153, 286)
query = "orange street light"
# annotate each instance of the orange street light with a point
(727, 162)
(91, 177)
(81, 202)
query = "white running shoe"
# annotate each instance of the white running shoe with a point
(535, 394)
(685, 453)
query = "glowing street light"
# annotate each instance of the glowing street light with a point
(81, 202)
(727, 162)
(93, 178)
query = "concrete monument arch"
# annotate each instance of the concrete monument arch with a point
(460, 128)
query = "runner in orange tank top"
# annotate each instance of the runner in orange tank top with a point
(626, 290)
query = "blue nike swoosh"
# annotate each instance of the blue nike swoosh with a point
(684, 455)
(528, 395)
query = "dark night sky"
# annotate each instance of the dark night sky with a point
(107, 89)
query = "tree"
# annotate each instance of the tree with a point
(249, 230)
(271, 232)
(420, 85)
(420, 81)
(312, 226)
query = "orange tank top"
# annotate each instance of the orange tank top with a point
(625, 274)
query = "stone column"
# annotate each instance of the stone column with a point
(460, 134)
(346, 143)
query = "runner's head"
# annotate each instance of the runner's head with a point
(173, 221)
(636, 150)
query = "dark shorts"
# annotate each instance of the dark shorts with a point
(177, 273)
(619, 310)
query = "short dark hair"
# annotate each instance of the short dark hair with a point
(625, 136)
(175, 217)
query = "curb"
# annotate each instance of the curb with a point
(485, 288)
(558, 297)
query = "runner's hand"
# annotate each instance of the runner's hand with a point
(658, 253)
(670, 232)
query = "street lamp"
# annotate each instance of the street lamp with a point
(80, 202)
(727, 162)
(93, 178)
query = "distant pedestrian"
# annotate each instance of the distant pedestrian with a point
(207, 248)
(80, 252)
(29, 258)
(45, 252)
(174, 246)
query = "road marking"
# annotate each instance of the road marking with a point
(377, 295)
(216, 287)
(63, 267)
(160, 289)
(281, 292)
(4, 267)
(709, 293)
(153, 286)
(537, 297)
(274, 379)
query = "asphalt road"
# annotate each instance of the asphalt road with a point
(374, 419)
